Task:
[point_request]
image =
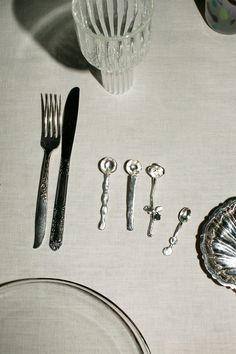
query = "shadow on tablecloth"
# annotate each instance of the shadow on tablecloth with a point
(51, 24)
(201, 7)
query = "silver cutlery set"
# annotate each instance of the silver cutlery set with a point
(50, 139)
(107, 166)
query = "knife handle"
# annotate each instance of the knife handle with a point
(42, 202)
(57, 227)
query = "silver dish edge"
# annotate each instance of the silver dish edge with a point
(220, 208)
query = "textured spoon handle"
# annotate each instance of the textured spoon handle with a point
(167, 251)
(59, 207)
(178, 227)
(42, 203)
(150, 227)
(153, 187)
(104, 200)
(130, 202)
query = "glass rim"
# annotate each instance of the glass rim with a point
(113, 38)
(121, 314)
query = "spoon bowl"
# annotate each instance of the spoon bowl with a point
(184, 214)
(155, 171)
(133, 167)
(107, 165)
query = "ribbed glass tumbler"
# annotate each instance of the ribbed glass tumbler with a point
(114, 36)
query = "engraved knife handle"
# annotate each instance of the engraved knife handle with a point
(104, 199)
(57, 227)
(42, 202)
(130, 202)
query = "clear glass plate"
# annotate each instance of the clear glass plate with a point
(56, 316)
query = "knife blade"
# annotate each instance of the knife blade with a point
(68, 132)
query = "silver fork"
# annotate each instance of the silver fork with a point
(50, 139)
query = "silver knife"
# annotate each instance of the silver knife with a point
(68, 133)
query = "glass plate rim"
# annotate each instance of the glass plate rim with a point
(129, 323)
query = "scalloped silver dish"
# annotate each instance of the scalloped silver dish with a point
(218, 243)
(44, 315)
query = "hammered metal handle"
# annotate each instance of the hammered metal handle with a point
(107, 165)
(104, 200)
(130, 202)
(132, 168)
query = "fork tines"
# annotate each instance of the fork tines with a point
(51, 111)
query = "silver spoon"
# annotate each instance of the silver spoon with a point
(107, 166)
(183, 216)
(133, 168)
(154, 171)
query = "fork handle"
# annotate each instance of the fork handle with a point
(42, 202)
(59, 207)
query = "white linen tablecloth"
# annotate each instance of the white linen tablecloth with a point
(180, 113)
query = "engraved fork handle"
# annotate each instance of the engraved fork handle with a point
(104, 199)
(42, 202)
(57, 227)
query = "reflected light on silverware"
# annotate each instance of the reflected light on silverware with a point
(217, 238)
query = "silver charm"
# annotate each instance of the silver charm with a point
(154, 171)
(133, 168)
(107, 166)
(183, 217)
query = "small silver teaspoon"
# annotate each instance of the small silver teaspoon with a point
(133, 168)
(107, 166)
(154, 171)
(183, 217)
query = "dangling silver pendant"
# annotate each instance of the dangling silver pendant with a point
(183, 217)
